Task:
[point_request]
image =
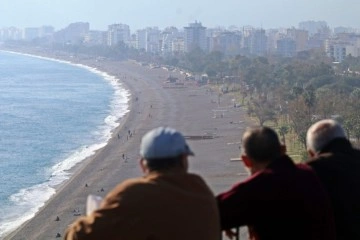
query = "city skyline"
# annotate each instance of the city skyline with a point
(139, 14)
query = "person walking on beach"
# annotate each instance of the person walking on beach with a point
(166, 203)
(281, 200)
(337, 164)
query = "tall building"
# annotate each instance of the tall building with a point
(31, 33)
(141, 39)
(245, 43)
(46, 31)
(153, 40)
(178, 45)
(286, 47)
(301, 38)
(226, 42)
(342, 30)
(148, 39)
(118, 33)
(95, 37)
(313, 27)
(11, 33)
(167, 38)
(73, 34)
(343, 45)
(337, 52)
(273, 35)
(195, 36)
(258, 43)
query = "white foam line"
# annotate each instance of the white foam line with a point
(60, 172)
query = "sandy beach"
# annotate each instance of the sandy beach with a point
(211, 124)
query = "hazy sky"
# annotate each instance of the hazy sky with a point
(212, 13)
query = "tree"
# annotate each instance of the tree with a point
(195, 60)
(325, 102)
(262, 111)
(301, 121)
(283, 130)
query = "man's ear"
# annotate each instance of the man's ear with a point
(185, 162)
(311, 153)
(283, 149)
(143, 165)
(246, 161)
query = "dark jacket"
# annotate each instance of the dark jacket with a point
(284, 201)
(338, 167)
(174, 206)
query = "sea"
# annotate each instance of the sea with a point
(53, 115)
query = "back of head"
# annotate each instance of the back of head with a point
(322, 133)
(261, 144)
(163, 148)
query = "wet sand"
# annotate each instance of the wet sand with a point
(211, 123)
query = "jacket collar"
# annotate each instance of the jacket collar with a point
(283, 162)
(337, 145)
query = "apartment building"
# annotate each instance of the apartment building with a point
(148, 39)
(226, 42)
(73, 34)
(118, 33)
(286, 47)
(195, 36)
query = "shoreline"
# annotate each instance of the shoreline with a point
(150, 106)
(120, 106)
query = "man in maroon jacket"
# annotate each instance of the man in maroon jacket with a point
(280, 200)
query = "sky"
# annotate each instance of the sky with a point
(139, 14)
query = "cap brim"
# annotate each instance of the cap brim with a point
(189, 151)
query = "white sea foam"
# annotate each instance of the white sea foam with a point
(27, 202)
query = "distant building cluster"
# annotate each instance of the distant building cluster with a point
(337, 43)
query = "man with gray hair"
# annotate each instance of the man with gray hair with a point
(337, 164)
(166, 203)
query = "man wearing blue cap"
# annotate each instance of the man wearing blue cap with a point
(166, 203)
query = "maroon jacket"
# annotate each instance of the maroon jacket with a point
(284, 201)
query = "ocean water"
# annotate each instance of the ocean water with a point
(52, 116)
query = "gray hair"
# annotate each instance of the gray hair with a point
(322, 133)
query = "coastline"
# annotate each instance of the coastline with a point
(190, 110)
(61, 171)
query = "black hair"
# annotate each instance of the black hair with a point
(261, 144)
(161, 164)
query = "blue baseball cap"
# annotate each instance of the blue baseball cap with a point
(163, 142)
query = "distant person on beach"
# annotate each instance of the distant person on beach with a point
(281, 200)
(337, 164)
(166, 203)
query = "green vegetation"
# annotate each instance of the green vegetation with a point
(287, 94)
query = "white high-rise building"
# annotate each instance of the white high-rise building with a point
(313, 27)
(141, 39)
(31, 33)
(118, 33)
(11, 33)
(195, 36)
(167, 38)
(148, 39)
